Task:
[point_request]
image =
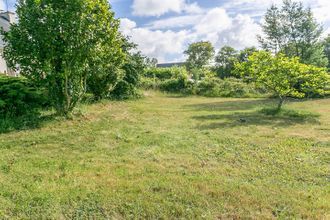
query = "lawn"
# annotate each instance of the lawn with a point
(169, 157)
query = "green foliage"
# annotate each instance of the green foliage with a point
(177, 84)
(133, 69)
(58, 43)
(243, 55)
(199, 55)
(326, 44)
(229, 87)
(293, 30)
(282, 76)
(19, 97)
(225, 61)
(176, 79)
(173, 79)
(164, 73)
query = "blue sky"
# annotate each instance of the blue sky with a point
(164, 28)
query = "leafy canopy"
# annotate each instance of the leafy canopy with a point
(280, 75)
(225, 61)
(58, 43)
(199, 55)
(291, 29)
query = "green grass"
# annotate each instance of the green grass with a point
(167, 157)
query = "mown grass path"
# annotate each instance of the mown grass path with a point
(168, 157)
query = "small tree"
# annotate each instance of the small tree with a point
(280, 75)
(56, 42)
(225, 61)
(199, 55)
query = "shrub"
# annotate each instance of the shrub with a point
(230, 87)
(19, 97)
(174, 85)
(172, 79)
(149, 83)
(124, 90)
(127, 87)
(163, 74)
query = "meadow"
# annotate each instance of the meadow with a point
(171, 157)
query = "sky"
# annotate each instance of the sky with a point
(164, 28)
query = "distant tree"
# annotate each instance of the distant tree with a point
(326, 44)
(151, 62)
(280, 74)
(199, 55)
(244, 54)
(273, 39)
(293, 30)
(54, 42)
(225, 61)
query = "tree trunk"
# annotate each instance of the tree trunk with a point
(280, 104)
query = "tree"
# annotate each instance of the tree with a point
(326, 44)
(57, 43)
(199, 54)
(244, 54)
(133, 68)
(225, 61)
(293, 30)
(151, 62)
(280, 74)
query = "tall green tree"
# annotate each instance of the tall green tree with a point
(225, 61)
(280, 74)
(326, 44)
(292, 29)
(199, 55)
(55, 42)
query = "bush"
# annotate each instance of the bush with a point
(163, 74)
(19, 97)
(174, 85)
(149, 83)
(230, 87)
(127, 87)
(125, 90)
(172, 79)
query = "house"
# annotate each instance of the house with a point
(6, 19)
(167, 65)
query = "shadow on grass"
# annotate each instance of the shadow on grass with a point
(25, 122)
(247, 112)
(231, 105)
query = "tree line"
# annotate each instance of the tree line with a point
(71, 47)
(292, 62)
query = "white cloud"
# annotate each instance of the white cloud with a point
(236, 24)
(160, 7)
(175, 22)
(215, 26)
(158, 44)
(216, 19)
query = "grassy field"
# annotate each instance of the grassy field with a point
(168, 157)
